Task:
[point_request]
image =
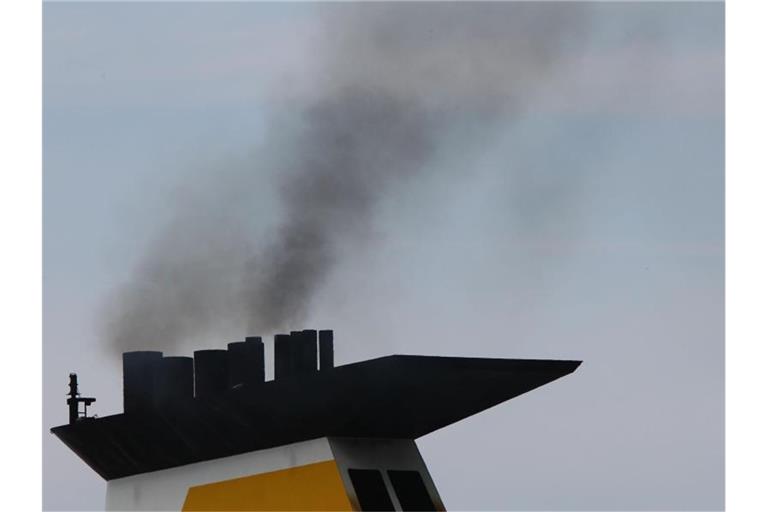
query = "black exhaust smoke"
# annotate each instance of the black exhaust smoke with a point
(372, 122)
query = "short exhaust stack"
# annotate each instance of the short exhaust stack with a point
(246, 362)
(326, 350)
(174, 381)
(211, 373)
(139, 380)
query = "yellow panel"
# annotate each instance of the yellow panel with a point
(312, 487)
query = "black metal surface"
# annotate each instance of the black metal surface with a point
(211, 373)
(326, 349)
(246, 362)
(372, 494)
(173, 381)
(74, 401)
(255, 360)
(283, 356)
(306, 351)
(390, 397)
(138, 380)
(411, 491)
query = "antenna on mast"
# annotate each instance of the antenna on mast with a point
(75, 400)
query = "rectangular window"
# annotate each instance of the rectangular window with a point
(370, 489)
(411, 491)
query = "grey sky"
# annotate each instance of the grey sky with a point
(586, 222)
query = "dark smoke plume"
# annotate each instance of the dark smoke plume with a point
(396, 78)
(354, 145)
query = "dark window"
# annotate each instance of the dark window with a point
(370, 489)
(411, 491)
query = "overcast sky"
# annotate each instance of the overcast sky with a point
(570, 206)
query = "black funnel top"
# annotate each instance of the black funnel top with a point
(390, 397)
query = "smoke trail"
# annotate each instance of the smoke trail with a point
(396, 78)
(353, 147)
